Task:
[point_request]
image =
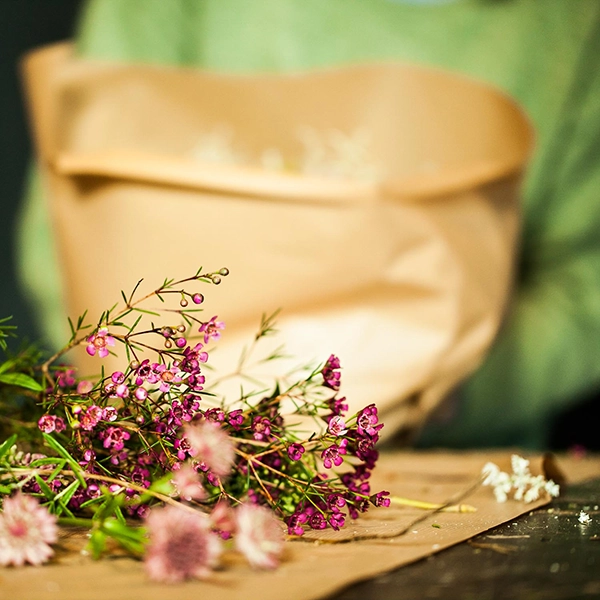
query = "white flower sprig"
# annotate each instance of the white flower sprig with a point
(584, 518)
(524, 486)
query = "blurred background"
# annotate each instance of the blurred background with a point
(26, 24)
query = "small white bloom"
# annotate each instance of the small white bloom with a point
(519, 490)
(501, 495)
(520, 466)
(584, 518)
(552, 489)
(531, 495)
(490, 472)
(524, 486)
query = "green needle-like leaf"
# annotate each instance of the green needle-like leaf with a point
(21, 380)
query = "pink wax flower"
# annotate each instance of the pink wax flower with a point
(333, 454)
(114, 438)
(261, 426)
(141, 393)
(258, 536)
(182, 546)
(99, 342)
(295, 451)
(118, 377)
(66, 377)
(168, 377)
(110, 414)
(51, 423)
(209, 444)
(337, 426)
(91, 417)
(368, 422)
(331, 373)
(211, 328)
(26, 532)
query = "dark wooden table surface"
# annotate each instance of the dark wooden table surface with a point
(544, 555)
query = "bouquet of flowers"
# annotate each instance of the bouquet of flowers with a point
(151, 457)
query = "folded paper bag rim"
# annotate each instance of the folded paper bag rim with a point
(142, 166)
(253, 182)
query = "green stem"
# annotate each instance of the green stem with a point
(462, 508)
(75, 522)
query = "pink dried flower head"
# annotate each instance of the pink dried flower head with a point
(236, 418)
(99, 342)
(88, 456)
(380, 499)
(209, 444)
(295, 522)
(186, 481)
(335, 501)
(337, 520)
(222, 518)
(338, 406)
(182, 546)
(258, 536)
(26, 532)
(214, 414)
(317, 521)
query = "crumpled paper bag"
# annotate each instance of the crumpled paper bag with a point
(375, 204)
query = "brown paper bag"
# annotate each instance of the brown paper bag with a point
(375, 204)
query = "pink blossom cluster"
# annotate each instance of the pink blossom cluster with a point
(186, 544)
(354, 438)
(232, 470)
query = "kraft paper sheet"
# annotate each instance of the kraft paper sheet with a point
(310, 569)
